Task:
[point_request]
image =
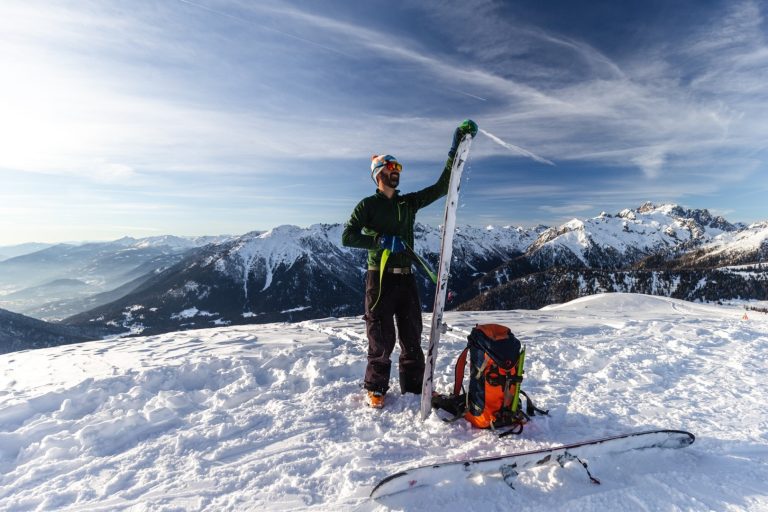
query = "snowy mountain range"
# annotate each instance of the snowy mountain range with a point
(61, 280)
(618, 241)
(291, 273)
(11, 251)
(658, 250)
(286, 274)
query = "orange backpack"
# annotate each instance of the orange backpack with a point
(496, 360)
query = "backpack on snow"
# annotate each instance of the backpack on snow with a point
(496, 360)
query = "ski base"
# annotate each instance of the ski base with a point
(510, 465)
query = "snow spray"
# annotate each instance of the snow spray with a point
(517, 149)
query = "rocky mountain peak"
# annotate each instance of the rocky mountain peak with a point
(648, 207)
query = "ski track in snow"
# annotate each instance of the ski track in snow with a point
(271, 417)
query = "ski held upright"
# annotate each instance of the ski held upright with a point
(462, 142)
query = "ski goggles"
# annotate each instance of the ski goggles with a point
(393, 166)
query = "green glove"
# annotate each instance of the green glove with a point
(467, 127)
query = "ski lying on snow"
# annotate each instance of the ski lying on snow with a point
(508, 465)
(446, 250)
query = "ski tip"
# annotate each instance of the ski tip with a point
(380, 489)
(675, 438)
(686, 438)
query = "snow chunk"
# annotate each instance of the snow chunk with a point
(294, 310)
(191, 313)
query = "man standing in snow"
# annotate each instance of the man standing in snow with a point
(383, 224)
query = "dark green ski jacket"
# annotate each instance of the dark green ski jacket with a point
(380, 215)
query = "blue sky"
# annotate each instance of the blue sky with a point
(195, 117)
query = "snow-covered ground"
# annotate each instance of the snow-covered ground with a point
(271, 417)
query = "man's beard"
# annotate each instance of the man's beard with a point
(392, 180)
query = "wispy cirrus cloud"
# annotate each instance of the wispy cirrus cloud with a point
(568, 209)
(670, 100)
(594, 105)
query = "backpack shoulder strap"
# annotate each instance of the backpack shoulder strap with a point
(461, 362)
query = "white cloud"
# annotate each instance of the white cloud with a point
(651, 161)
(638, 111)
(568, 209)
(519, 191)
(115, 173)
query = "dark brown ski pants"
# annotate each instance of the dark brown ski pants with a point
(399, 302)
